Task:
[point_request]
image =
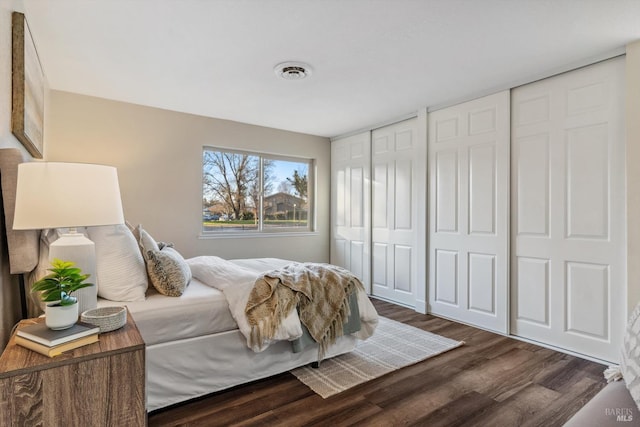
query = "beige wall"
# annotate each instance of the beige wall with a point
(632, 120)
(158, 154)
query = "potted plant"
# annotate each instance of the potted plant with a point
(61, 311)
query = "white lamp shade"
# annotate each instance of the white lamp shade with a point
(56, 195)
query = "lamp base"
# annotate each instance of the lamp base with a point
(78, 248)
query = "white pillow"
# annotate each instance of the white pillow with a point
(120, 268)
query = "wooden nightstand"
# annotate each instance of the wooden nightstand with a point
(101, 384)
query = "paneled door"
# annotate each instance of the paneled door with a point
(469, 212)
(350, 205)
(568, 278)
(398, 158)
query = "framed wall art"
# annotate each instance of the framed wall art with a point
(27, 112)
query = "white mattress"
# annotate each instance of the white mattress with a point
(201, 310)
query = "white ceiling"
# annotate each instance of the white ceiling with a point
(372, 60)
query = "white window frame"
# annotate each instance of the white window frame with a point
(261, 229)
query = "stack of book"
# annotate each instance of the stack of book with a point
(38, 337)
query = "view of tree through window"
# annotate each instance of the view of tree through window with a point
(254, 192)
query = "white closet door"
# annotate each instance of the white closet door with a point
(398, 184)
(569, 257)
(469, 212)
(350, 205)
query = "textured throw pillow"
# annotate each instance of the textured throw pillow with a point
(168, 271)
(146, 242)
(630, 364)
(120, 267)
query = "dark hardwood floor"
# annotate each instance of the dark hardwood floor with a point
(490, 381)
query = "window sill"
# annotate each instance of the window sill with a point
(260, 235)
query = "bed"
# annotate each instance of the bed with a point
(194, 344)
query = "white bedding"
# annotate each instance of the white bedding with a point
(201, 310)
(236, 280)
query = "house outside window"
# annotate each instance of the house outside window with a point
(246, 192)
(285, 206)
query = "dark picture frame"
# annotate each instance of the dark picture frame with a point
(27, 112)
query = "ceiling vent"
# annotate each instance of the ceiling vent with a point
(292, 70)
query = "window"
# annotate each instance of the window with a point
(251, 192)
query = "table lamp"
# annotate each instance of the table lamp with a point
(69, 195)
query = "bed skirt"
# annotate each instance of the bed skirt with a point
(181, 370)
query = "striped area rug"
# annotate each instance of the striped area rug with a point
(392, 346)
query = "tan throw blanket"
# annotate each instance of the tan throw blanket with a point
(321, 292)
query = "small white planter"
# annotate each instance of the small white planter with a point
(60, 316)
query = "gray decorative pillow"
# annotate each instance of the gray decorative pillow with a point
(630, 364)
(146, 242)
(168, 271)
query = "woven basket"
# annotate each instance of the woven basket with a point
(107, 318)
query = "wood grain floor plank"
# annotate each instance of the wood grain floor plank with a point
(406, 409)
(352, 415)
(264, 419)
(314, 410)
(518, 408)
(460, 411)
(567, 404)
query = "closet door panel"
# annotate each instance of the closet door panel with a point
(379, 196)
(446, 191)
(482, 189)
(356, 199)
(584, 318)
(469, 203)
(532, 290)
(587, 182)
(357, 261)
(350, 205)
(482, 282)
(568, 245)
(380, 262)
(339, 251)
(403, 203)
(403, 279)
(397, 182)
(531, 164)
(445, 271)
